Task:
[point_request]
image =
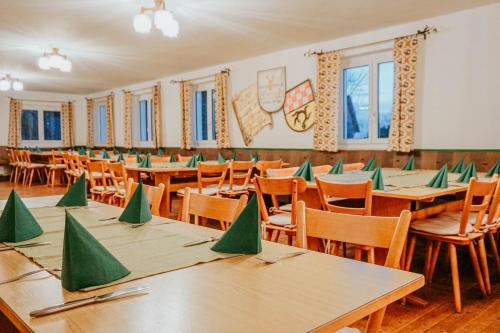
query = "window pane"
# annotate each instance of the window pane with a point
(52, 125)
(201, 116)
(102, 123)
(29, 125)
(356, 102)
(385, 96)
(214, 133)
(143, 119)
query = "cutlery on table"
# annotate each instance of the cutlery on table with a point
(275, 259)
(12, 247)
(108, 218)
(149, 223)
(22, 276)
(201, 241)
(89, 300)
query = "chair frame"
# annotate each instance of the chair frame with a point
(153, 194)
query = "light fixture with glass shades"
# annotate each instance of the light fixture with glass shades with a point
(8, 82)
(55, 60)
(162, 18)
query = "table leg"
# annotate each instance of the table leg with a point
(167, 196)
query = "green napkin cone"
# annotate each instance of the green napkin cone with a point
(305, 171)
(468, 173)
(105, 155)
(370, 165)
(146, 162)
(243, 236)
(338, 168)
(159, 152)
(82, 152)
(91, 153)
(172, 158)
(440, 180)
(17, 224)
(193, 162)
(86, 262)
(138, 158)
(459, 167)
(378, 180)
(201, 157)
(37, 149)
(120, 158)
(221, 159)
(410, 164)
(255, 156)
(76, 195)
(116, 151)
(235, 156)
(130, 152)
(137, 210)
(494, 169)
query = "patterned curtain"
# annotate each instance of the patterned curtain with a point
(221, 120)
(90, 122)
(325, 127)
(14, 139)
(186, 115)
(403, 107)
(157, 115)
(110, 133)
(127, 119)
(67, 124)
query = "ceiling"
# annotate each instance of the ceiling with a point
(98, 36)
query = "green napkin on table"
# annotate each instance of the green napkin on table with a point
(138, 158)
(305, 171)
(116, 151)
(440, 180)
(459, 167)
(120, 158)
(172, 158)
(130, 152)
(82, 152)
(338, 168)
(221, 159)
(159, 152)
(201, 157)
(193, 162)
(86, 262)
(377, 179)
(255, 156)
(105, 154)
(234, 157)
(37, 149)
(469, 172)
(243, 236)
(410, 164)
(370, 165)
(137, 210)
(91, 153)
(76, 195)
(146, 162)
(17, 224)
(494, 169)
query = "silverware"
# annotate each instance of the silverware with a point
(201, 241)
(90, 300)
(275, 259)
(149, 223)
(12, 247)
(22, 276)
(108, 218)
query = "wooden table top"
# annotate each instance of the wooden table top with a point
(242, 294)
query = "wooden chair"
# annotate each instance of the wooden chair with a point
(30, 168)
(382, 232)
(55, 167)
(210, 178)
(455, 229)
(181, 158)
(153, 194)
(321, 169)
(14, 165)
(492, 224)
(275, 219)
(99, 187)
(239, 178)
(119, 180)
(262, 166)
(224, 210)
(353, 166)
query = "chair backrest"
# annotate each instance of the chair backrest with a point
(153, 194)
(477, 189)
(262, 166)
(209, 174)
(353, 166)
(96, 173)
(19, 154)
(11, 155)
(118, 175)
(357, 191)
(494, 210)
(282, 172)
(216, 208)
(181, 158)
(240, 173)
(56, 157)
(274, 187)
(320, 169)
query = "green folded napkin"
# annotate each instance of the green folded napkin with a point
(459, 167)
(159, 152)
(235, 156)
(338, 168)
(82, 152)
(468, 173)
(377, 179)
(130, 152)
(305, 171)
(193, 162)
(243, 236)
(91, 153)
(86, 262)
(76, 195)
(37, 149)
(221, 159)
(440, 180)
(410, 163)
(137, 210)
(495, 169)
(105, 155)
(146, 161)
(138, 158)
(59, 149)
(116, 151)
(120, 158)
(172, 158)
(17, 224)
(370, 165)
(255, 156)
(201, 157)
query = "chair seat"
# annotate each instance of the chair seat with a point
(209, 190)
(103, 189)
(445, 224)
(286, 208)
(236, 188)
(36, 166)
(99, 174)
(56, 166)
(281, 220)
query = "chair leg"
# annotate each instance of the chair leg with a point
(357, 253)
(434, 258)
(375, 321)
(428, 254)
(477, 270)
(410, 250)
(452, 252)
(32, 173)
(494, 249)
(484, 264)
(371, 255)
(290, 239)
(276, 238)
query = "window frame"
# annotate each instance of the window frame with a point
(40, 108)
(97, 123)
(209, 87)
(371, 59)
(136, 119)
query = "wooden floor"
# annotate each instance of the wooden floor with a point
(479, 314)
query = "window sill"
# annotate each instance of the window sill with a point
(364, 145)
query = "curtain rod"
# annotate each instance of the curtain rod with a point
(424, 32)
(225, 70)
(112, 93)
(142, 89)
(41, 100)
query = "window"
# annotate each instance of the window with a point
(204, 115)
(29, 125)
(143, 121)
(366, 103)
(52, 125)
(100, 135)
(40, 125)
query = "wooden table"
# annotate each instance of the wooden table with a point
(313, 292)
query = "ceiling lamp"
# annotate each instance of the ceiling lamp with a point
(55, 60)
(7, 82)
(163, 20)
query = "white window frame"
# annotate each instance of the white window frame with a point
(40, 107)
(207, 86)
(372, 59)
(136, 120)
(97, 123)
